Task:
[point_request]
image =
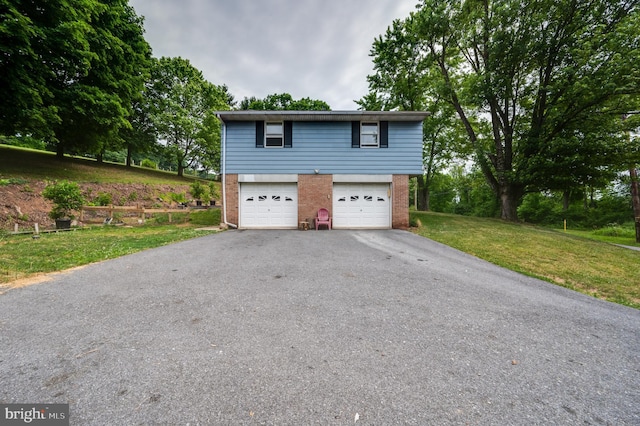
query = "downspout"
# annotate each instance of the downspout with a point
(224, 174)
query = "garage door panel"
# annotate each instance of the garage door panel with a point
(361, 206)
(273, 205)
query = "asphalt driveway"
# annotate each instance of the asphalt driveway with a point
(328, 327)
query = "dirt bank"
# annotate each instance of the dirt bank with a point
(23, 203)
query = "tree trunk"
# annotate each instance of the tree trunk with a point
(423, 194)
(99, 158)
(180, 169)
(566, 198)
(427, 199)
(60, 150)
(509, 198)
(129, 155)
(635, 199)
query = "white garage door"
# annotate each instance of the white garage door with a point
(268, 205)
(361, 205)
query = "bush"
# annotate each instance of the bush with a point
(213, 191)
(627, 230)
(540, 208)
(66, 197)
(103, 199)
(13, 181)
(148, 164)
(197, 190)
(176, 197)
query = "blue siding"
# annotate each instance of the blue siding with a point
(325, 146)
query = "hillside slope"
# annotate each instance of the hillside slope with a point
(24, 174)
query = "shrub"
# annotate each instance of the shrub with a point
(66, 197)
(13, 181)
(103, 199)
(627, 230)
(213, 191)
(148, 164)
(177, 197)
(197, 190)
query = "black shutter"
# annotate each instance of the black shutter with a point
(355, 134)
(288, 134)
(384, 134)
(259, 134)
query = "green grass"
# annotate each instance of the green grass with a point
(28, 164)
(611, 234)
(23, 256)
(592, 267)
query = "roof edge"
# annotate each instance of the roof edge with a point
(253, 115)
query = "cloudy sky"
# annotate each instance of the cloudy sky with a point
(308, 48)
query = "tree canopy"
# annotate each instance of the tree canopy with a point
(71, 70)
(532, 83)
(44, 46)
(283, 101)
(183, 105)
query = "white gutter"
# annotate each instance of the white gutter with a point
(224, 173)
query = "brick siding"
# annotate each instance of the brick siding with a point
(314, 192)
(232, 193)
(400, 207)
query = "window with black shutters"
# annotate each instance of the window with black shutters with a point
(274, 135)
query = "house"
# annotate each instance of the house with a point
(280, 167)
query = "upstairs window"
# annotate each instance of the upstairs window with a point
(369, 135)
(274, 135)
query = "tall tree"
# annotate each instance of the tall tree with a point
(44, 46)
(521, 76)
(96, 106)
(402, 81)
(184, 103)
(140, 136)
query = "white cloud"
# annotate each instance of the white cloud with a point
(308, 48)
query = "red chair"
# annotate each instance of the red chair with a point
(323, 218)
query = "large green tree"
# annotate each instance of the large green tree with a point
(44, 46)
(140, 137)
(402, 82)
(71, 70)
(528, 79)
(183, 107)
(95, 107)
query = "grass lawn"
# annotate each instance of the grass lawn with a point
(593, 267)
(23, 257)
